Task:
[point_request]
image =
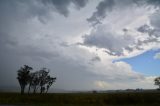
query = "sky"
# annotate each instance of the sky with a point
(87, 44)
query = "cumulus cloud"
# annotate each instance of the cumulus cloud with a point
(106, 6)
(147, 82)
(112, 41)
(130, 35)
(101, 84)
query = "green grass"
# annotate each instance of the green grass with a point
(83, 99)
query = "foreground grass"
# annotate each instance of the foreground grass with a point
(83, 99)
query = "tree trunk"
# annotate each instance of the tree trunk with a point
(34, 91)
(47, 91)
(41, 90)
(29, 88)
(22, 90)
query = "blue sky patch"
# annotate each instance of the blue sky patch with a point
(145, 63)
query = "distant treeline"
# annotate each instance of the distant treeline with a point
(36, 81)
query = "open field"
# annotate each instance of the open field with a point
(83, 99)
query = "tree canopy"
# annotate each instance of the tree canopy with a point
(38, 80)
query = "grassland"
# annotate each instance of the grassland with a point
(83, 99)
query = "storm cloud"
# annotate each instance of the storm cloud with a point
(100, 13)
(56, 34)
(62, 6)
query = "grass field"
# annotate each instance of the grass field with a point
(83, 99)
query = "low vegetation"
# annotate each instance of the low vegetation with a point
(83, 99)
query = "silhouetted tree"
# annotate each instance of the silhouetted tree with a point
(35, 81)
(50, 81)
(43, 75)
(44, 80)
(31, 80)
(23, 77)
(157, 81)
(39, 80)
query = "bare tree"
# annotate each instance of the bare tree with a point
(157, 81)
(23, 77)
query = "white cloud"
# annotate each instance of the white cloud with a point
(157, 56)
(146, 83)
(101, 84)
(123, 39)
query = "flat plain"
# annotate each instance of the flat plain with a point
(82, 99)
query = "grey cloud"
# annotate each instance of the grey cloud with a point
(139, 45)
(149, 40)
(130, 49)
(6, 40)
(22, 43)
(116, 44)
(155, 32)
(69, 71)
(149, 2)
(108, 40)
(62, 5)
(147, 29)
(80, 3)
(19, 46)
(152, 32)
(100, 13)
(64, 44)
(125, 30)
(144, 29)
(112, 53)
(154, 19)
(155, 23)
(96, 58)
(106, 6)
(23, 9)
(154, 2)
